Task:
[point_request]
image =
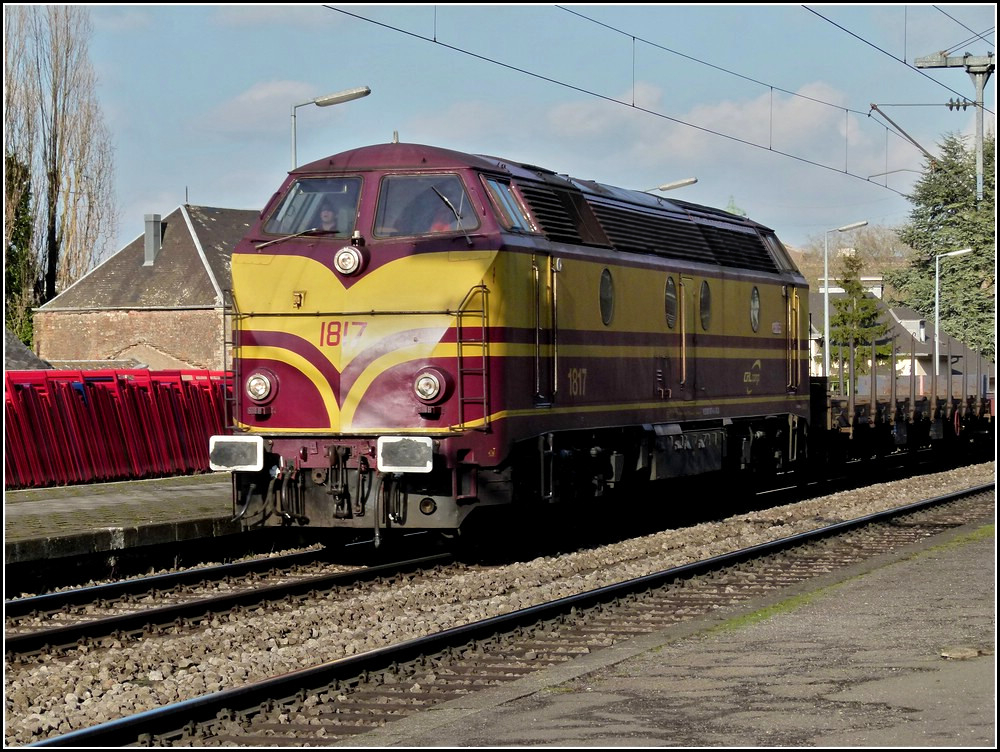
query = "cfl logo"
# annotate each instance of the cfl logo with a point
(751, 378)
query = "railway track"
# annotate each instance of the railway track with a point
(346, 697)
(68, 619)
(145, 605)
(34, 577)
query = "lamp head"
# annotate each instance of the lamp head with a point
(955, 253)
(853, 226)
(342, 96)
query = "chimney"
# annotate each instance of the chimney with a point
(154, 238)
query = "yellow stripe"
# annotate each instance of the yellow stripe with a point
(295, 361)
(648, 351)
(366, 433)
(383, 363)
(673, 403)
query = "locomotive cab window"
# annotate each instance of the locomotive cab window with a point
(317, 206)
(607, 297)
(706, 305)
(670, 302)
(508, 207)
(755, 309)
(779, 253)
(423, 204)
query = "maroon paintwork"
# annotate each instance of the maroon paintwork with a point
(637, 392)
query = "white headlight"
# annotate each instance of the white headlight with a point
(427, 386)
(347, 260)
(258, 386)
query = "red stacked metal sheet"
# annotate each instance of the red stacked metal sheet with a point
(64, 427)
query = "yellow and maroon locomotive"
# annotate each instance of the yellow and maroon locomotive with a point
(420, 333)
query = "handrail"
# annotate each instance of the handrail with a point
(230, 339)
(461, 342)
(683, 297)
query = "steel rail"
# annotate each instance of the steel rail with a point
(50, 602)
(184, 715)
(19, 644)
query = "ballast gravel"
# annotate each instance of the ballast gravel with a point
(93, 685)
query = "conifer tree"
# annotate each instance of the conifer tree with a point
(947, 217)
(856, 323)
(19, 269)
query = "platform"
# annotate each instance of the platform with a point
(45, 523)
(897, 653)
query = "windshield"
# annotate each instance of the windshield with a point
(418, 204)
(323, 205)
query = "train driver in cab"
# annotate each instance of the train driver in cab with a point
(326, 217)
(444, 220)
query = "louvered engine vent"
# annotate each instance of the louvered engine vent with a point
(646, 232)
(550, 212)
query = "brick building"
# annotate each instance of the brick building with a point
(157, 303)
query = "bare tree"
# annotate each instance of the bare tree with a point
(877, 246)
(86, 196)
(18, 119)
(20, 256)
(60, 134)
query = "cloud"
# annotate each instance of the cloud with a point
(461, 124)
(269, 16)
(738, 149)
(121, 19)
(597, 118)
(260, 112)
(815, 126)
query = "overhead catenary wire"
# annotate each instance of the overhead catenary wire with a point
(711, 65)
(975, 38)
(632, 105)
(888, 54)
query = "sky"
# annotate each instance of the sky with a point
(806, 118)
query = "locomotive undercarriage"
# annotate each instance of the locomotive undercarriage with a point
(337, 485)
(588, 464)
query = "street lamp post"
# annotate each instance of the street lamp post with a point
(937, 305)
(671, 186)
(341, 96)
(826, 290)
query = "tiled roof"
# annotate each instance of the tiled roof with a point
(218, 231)
(129, 364)
(17, 357)
(190, 270)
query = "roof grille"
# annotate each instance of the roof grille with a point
(642, 232)
(740, 249)
(638, 231)
(551, 213)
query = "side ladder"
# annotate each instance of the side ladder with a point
(230, 364)
(473, 350)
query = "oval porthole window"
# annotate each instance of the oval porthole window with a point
(670, 302)
(607, 297)
(754, 309)
(706, 305)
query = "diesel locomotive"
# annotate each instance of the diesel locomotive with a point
(420, 334)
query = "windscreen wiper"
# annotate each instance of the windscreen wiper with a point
(458, 217)
(289, 237)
